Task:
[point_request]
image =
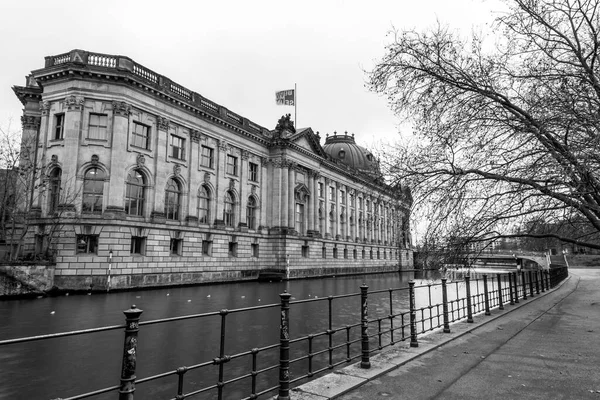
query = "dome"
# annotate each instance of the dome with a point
(344, 149)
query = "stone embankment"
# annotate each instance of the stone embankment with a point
(25, 280)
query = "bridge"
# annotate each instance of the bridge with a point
(506, 259)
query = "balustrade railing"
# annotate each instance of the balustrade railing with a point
(382, 318)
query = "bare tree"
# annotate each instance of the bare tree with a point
(507, 124)
(23, 183)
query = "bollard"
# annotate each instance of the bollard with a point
(413, 316)
(486, 295)
(364, 324)
(524, 284)
(132, 320)
(516, 282)
(510, 287)
(284, 347)
(531, 283)
(445, 306)
(500, 305)
(469, 312)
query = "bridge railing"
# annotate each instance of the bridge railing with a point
(373, 321)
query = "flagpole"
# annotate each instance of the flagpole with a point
(295, 106)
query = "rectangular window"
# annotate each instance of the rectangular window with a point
(321, 189)
(232, 249)
(138, 245)
(207, 247)
(87, 244)
(253, 173)
(342, 197)
(355, 254)
(254, 248)
(345, 253)
(177, 147)
(98, 127)
(335, 252)
(360, 203)
(140, 136)
(331, 193)
(324, 252)
(207, 157)
(352, 199)
(305, 251)
(232, 165)
(59, 126)
(176, 246)
(300, 218)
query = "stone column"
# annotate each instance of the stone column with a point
(118, 163)
(73, 106)
(264, 181)
(160, 176)
(310, 204)
(221, 183)
(326, 207)
(31, 123)
(291, 207)
(283, 190)
(315, 201)
(194, 177)
(337, 219)
(243, 191)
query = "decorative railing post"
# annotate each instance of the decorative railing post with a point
(486, 295)
(531, 283)
(445, 306)
(516, 282)
(500, 304)
(541, 278)
(469, 311)
(548, 283)
(510, 288)
(413, 314)
(364, 325)
(537, 282)
(524, 285)
(284, 347)
(132, 321)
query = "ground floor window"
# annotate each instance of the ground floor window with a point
(87, 244)
(176, 246)
(138, 245)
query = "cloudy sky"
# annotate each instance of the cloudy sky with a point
(237, 53)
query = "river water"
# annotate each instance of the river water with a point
(63, 367)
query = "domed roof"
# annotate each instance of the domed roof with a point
(344, 149)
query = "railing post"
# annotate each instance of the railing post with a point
(284, 347)
(445, 306)
(548, 283)
(364, 325)
(132, 320)
(531, 283)
(486, 295)
(537, 282)
(516, 282)
(510, 288)
(500, 304)
(413, 316)
(541, 274)
(469, 312)
(524, 285)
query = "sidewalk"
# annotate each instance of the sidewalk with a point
(547, 347)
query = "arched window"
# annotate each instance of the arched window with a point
(251, 213)
(54, 192)
(321, 221)
(228, 210)
(332, 223)
(204, 205)
(172, 199)
(93, 190)
(135, 193)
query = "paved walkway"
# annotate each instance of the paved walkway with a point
(546, 347)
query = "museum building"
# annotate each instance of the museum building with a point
(146, 183)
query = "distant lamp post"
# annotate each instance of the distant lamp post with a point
(110, 254)
(565, 256)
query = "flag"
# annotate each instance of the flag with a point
(285, 97)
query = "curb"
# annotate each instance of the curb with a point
(349, 378)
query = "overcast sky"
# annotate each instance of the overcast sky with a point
(236, 53)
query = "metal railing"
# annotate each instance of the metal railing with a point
(396, 315)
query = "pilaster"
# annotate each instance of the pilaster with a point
(118, 163)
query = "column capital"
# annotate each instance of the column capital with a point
(30, 121)
(195, 135)
(121, 108)
(44, 107)
(162, 123)
(73, 103)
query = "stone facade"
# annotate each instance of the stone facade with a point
(153, 184)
